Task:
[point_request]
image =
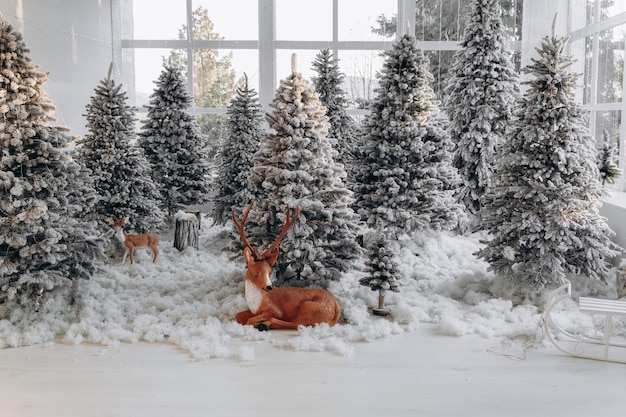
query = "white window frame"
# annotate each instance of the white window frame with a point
(267, 45)
(593, 30)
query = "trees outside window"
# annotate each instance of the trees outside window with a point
(214, 79)
(437, 20)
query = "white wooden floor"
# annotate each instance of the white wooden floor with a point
(416, 374)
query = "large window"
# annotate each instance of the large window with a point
(257, 37)
(598, 44)
(216, 42)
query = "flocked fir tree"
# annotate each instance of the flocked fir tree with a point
(480, 96)
(244, 130)
(120, 172)
(542, 212)
(343, 129)
(174, 145)
(295, 166)
(608, 159)
(382, 270)
(46, 244)
(405, 180)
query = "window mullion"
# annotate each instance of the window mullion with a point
(190, 75)
(267, 51)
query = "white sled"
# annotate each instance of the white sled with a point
(599, 342)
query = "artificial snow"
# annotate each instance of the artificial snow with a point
(190, 299)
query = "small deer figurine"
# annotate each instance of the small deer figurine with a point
(131, 242)
(282, 307)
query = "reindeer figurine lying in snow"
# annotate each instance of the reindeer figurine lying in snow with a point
(131, 242)
(282, 307)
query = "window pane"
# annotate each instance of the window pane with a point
(611, 64)
(440, 20)
(214, 77)
(304, 20)
(214, 127)
(233, 20)
(162, 20)
(360, 69)
(609, 121)
(618, 6)
(247, 61)
(580, 13)
(148, 67)
(512, 18)
(586, 74)
(439, 65)
(358, 19)
(579, 66)
(304, 63)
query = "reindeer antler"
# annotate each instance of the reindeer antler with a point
(242, 232)
(289, 221)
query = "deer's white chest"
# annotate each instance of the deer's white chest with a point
(254, 297)
(120, 235)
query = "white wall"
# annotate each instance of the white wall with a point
(71, 41)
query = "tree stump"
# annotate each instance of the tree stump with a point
(198, 215)
(187, 231)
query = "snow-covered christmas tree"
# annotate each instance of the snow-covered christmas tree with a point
(295, 166)
(405, 180)
(542, 212)
(174, 145)
(382, 270)
(120, 172)
(329, 86)
(608, 159)
(480, 95)
(46, 245)
(244, 131)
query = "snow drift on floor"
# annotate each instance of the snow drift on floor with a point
(190, 299)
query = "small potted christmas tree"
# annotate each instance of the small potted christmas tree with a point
(382, 271)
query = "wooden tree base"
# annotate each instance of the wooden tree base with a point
(381, 312)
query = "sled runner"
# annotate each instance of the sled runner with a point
(599, 342)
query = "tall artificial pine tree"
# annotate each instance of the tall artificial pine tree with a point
(46, 244)
(174, 145)
(480, 96)
(120, 172)
(542, 212)
(405, 180)
(343, 129)
(295, 166)
(244, 131)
